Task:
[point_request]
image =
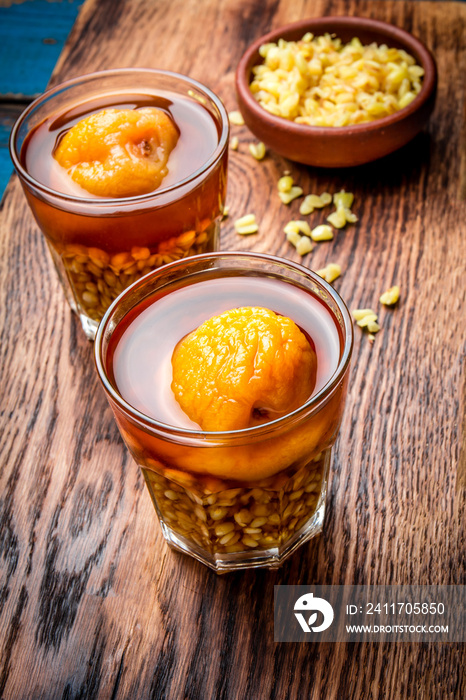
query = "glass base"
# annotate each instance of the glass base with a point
(241, 526)
(271, 558)
(89, 326)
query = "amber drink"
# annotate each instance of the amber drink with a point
(101, 243)
(239, 498)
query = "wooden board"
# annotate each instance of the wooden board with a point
(92, 603)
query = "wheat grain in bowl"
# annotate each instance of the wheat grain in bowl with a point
(322, 81)
(350, 140)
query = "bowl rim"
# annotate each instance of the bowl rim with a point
(403, 37)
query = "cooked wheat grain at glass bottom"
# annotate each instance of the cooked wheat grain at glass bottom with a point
(243, 518)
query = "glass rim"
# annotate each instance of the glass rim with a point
(106, 201)
(289, 419)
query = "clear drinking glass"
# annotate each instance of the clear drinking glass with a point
(102, 245)
(243, 498)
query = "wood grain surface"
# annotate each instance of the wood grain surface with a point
(92, 603)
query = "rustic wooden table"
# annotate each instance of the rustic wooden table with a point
(92, 602)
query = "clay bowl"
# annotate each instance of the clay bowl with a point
(338, 147)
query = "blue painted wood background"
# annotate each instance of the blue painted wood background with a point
(32, 35)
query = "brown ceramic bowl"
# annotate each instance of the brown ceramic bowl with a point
(338, 147)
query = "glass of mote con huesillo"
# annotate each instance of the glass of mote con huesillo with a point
(237, 498)
(124, 171)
